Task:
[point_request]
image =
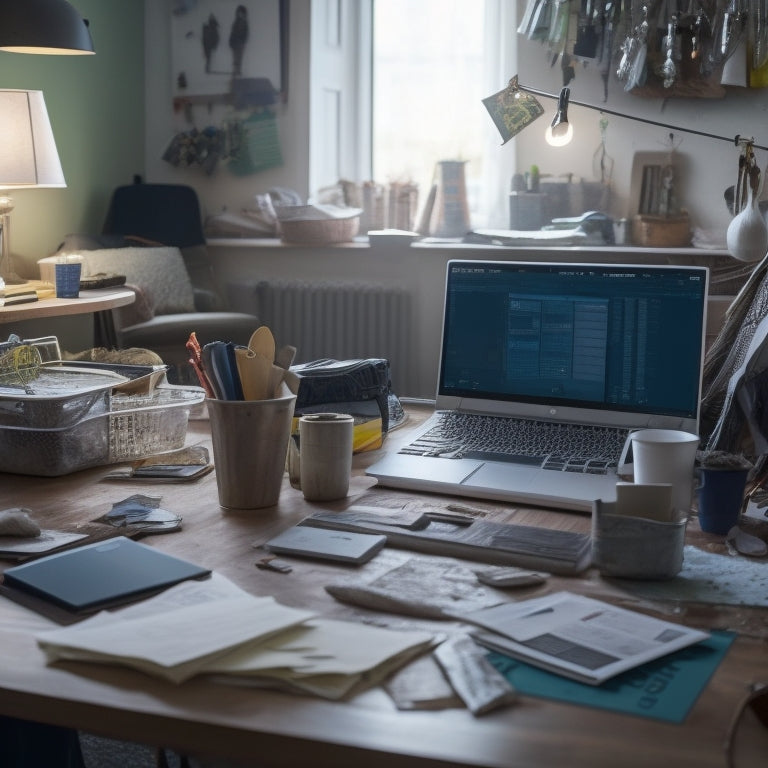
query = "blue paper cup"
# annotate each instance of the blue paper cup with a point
(68, 280)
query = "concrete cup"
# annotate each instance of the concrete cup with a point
(666, 456)
(250, 443)
(325, 455)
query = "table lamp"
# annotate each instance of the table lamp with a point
(28, 158)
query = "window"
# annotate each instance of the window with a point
(431, 64)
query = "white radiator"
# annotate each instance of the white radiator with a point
(341, 321)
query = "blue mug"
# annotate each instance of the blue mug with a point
(721, 495)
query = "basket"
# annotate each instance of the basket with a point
(661, 231)
(135, 426)
(318, 225)
(320, 231)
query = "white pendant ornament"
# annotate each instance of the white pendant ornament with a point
(747, 235)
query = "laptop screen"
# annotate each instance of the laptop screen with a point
(603, 336)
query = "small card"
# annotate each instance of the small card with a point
(342, 546)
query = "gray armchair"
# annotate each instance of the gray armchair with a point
(153, 235)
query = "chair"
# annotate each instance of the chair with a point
(153, 234)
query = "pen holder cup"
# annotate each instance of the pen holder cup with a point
(250, 443)
(634, 547)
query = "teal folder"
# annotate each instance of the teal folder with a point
(664, 689)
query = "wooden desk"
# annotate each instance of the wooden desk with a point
(89, 301)
(278, 730)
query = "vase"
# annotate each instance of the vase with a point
(747, 235)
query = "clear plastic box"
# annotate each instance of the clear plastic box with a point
(135, 426)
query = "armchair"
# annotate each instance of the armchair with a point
(153, 235)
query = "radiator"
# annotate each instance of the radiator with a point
(340, 320)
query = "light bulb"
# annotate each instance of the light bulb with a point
(559, 135)
(560, 132)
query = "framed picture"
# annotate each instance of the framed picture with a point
(218, 43)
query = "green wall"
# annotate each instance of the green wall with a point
(96, 107)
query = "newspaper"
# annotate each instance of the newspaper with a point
(578, 637)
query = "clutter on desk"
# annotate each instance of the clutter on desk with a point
(604, 639)
(57, 418)
(186, 464)
(142, 514)
(636, 547)
(545, 549)
(425, 587)
(480, 685)
(227, 371)
(250, 401)
(360, 388)
(213, 628)
(665, 689)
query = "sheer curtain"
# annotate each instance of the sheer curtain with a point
(500, 66)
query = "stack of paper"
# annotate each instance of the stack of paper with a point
(213, 627)
(578, 637)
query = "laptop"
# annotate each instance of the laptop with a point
(545, 369)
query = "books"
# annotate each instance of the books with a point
(559, 552)
(578, 637)
(96, 575)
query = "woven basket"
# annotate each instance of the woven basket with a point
(320, 231)
(661, 231)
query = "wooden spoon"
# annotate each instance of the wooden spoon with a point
(262, 343)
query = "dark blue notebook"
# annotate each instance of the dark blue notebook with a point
(102, 574)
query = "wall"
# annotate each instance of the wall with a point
(96, 107)
(222, 189)
(710, 165)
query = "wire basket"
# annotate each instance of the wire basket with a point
(144, 425)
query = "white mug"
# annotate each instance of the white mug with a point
(666, 456)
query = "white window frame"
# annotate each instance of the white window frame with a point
(341, 77)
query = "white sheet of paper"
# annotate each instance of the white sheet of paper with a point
(172, 635)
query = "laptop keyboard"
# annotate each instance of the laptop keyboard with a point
(551, 445)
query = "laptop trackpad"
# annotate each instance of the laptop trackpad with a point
(493, 474)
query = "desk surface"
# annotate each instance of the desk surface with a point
(277, 730)
(89, 301)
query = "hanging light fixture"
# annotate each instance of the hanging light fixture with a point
(43, 26)
(560, 131)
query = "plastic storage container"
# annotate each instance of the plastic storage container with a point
(132, 427)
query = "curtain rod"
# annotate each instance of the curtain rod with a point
(735, 141)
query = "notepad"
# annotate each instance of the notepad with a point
(343, 546)
(101, 574)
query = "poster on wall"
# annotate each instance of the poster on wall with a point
(218, 43)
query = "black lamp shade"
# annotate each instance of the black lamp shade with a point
(43, 26)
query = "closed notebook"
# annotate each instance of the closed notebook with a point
(101, 574)
(343, 546)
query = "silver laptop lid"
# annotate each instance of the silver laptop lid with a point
(606, 344)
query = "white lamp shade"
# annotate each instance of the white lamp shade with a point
(28, 156)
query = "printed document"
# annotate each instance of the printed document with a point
(578, 637)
